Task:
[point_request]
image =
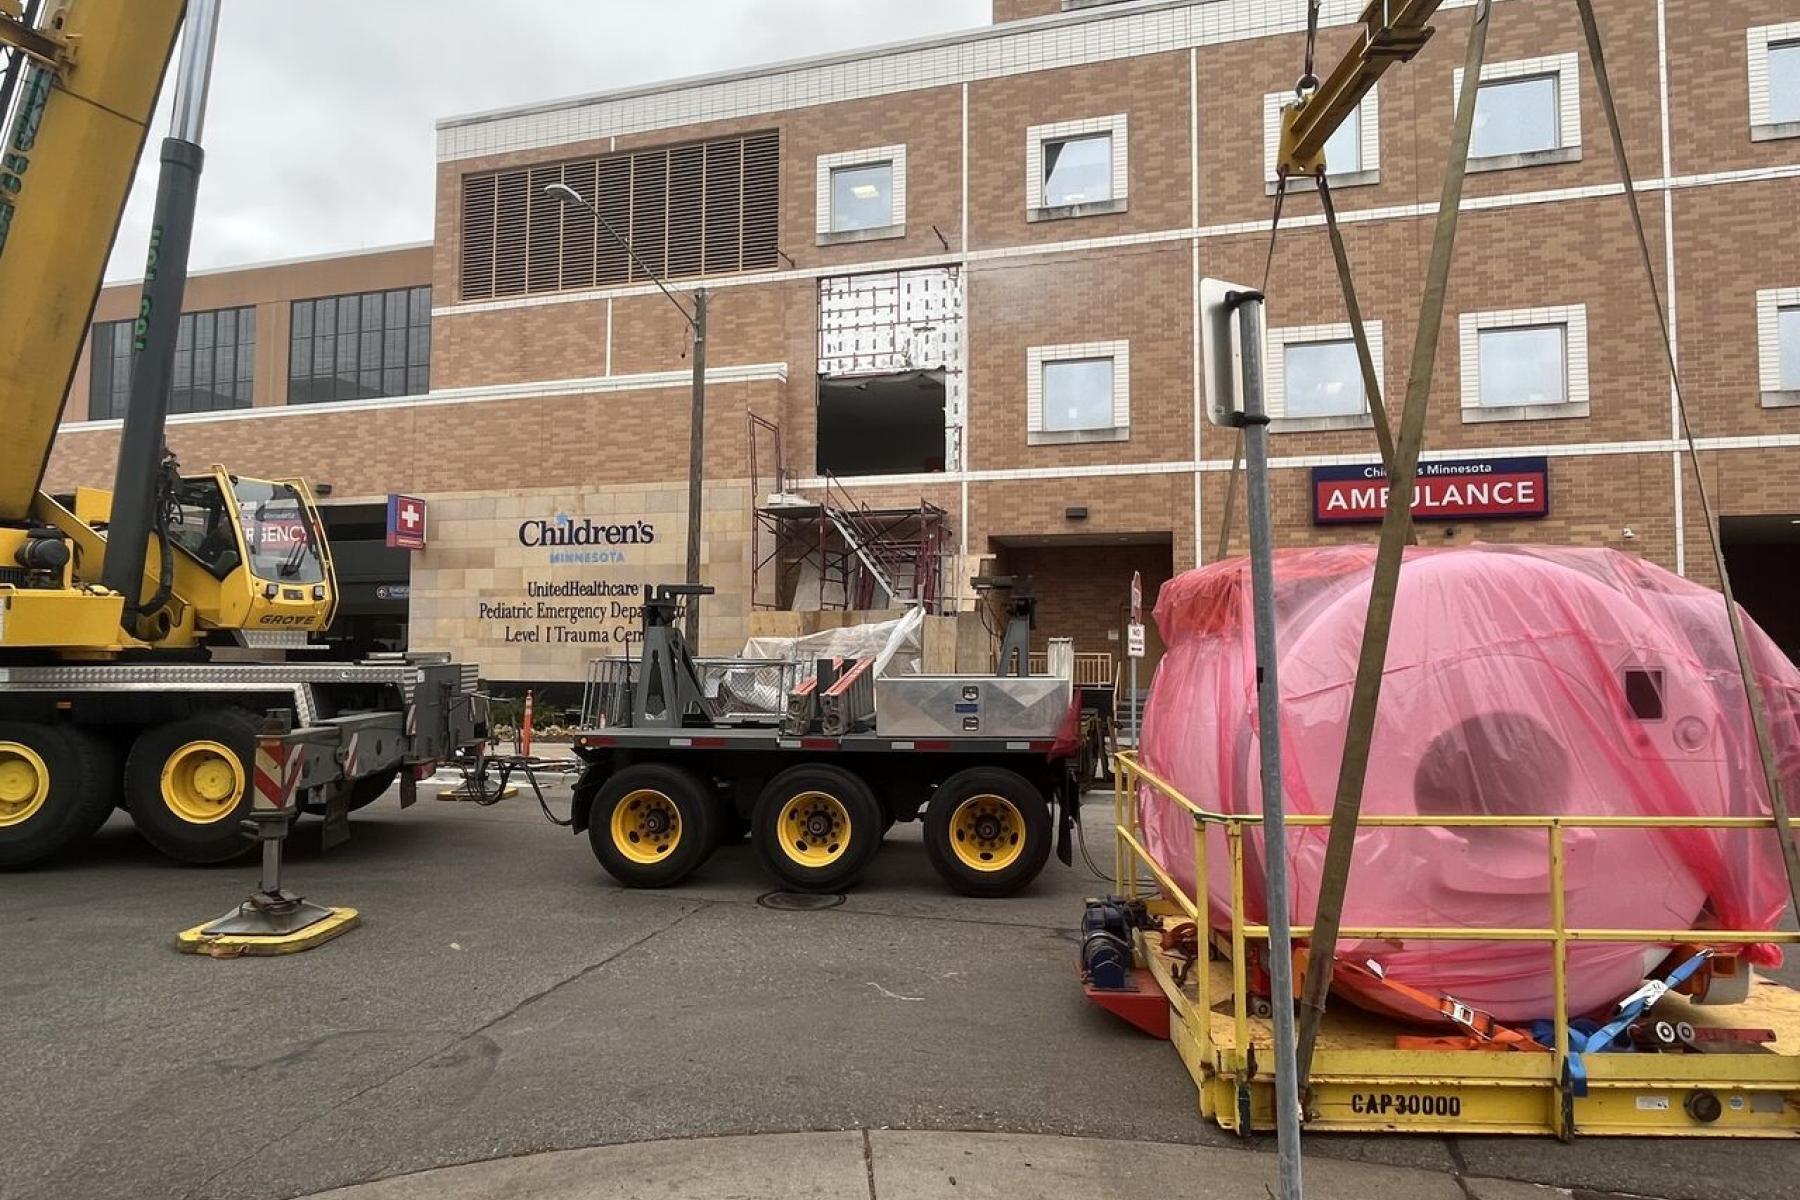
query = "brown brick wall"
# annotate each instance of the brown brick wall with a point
(1709, 89)
(1015, 10)
(558, 441)
(1152, 90)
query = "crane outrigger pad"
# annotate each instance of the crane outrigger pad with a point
(236, 935)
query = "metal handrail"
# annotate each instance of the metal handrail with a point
(1129, 776)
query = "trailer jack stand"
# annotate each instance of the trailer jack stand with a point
(271, 920)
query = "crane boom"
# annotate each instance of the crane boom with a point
(83, 107)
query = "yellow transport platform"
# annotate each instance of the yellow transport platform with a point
(1362, 1083)
(239, 945)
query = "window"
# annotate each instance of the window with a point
(1778, 340)
(1525, 364)
(1313, 380)
(1526, 113)
(862, 195)
(360, 347)
(1788, 335)
(1078, 393)
(705, 208)
(1774, 56)
(214, 369)
(1076, 168)
(1517, 116)
(1352, 155)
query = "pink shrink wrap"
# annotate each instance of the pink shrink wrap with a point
(1520, 680)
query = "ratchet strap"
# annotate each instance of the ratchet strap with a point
(1480, 1029)
(1631, 1008)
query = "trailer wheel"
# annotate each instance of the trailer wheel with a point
(58, 784)
(188, 784)
(987, 831)
(817, 827)
(651, 825)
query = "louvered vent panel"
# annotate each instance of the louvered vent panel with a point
(701, 209)
(545, 232)
(650, 211)
(687, 174)
(762, 200)
(510, 234)
(478, 238)
(579, 228)
(724, 206)
(612, 264)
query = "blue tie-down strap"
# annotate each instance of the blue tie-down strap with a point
(1589, 1037)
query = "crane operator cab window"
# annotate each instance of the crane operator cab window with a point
(278, 530)
(201, 522)
(271, 518)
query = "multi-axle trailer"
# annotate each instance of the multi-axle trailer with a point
(990, 764)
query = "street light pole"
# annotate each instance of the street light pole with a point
(696, 466)
(696, 320)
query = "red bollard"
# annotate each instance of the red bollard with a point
(525, 728)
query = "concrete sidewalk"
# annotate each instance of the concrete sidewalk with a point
(911, 1165)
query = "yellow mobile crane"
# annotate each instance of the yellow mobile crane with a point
(111, 607)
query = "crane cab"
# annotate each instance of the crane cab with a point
(246, 564)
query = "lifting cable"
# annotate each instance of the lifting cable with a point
(1759, 717)
(1384, 435)
(1395, 528)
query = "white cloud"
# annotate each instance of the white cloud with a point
(319, 133)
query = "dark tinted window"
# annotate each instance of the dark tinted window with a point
(214, 368)
(360, 347)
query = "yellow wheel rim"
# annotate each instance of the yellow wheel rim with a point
(202, 782)
(646, 826)
(987, 833)
(814, 829)
(24, 783)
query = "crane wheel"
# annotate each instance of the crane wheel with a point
(652, 824)
(987, 831)
(817, 827)
(58, 784)
(188, 784)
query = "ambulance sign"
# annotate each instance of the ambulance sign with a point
(406, 522)
(1459, 490)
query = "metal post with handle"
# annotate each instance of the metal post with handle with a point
(1232, 324)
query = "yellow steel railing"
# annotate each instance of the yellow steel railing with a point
(1130, 853)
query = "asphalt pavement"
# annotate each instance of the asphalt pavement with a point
(504, 998)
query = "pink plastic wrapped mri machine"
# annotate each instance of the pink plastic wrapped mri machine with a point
(1520, 680)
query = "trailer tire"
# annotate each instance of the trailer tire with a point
(817, 827)
(652, 824)
(58, 784)
(987, 831)
(188, 785)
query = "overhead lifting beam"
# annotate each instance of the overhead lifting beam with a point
(1394, 32)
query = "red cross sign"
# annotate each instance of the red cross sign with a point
(406, 522)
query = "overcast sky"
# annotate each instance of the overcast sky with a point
(319, 135)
